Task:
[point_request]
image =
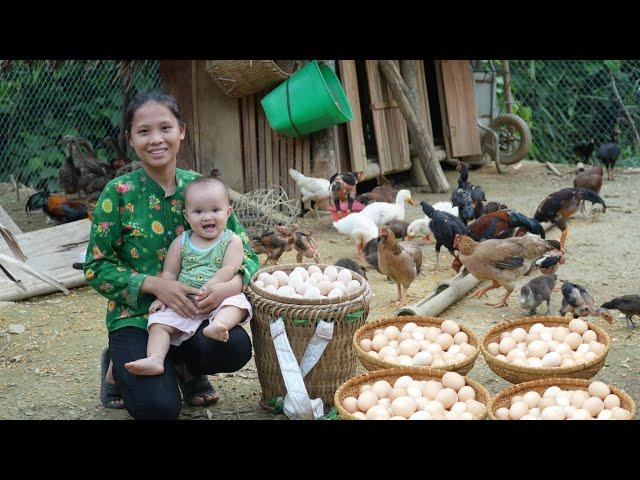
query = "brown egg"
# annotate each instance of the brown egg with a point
(403, 406)
(409, 347)
(618, 413)
(431, 388)
(589, 336)
(493, 348)
(365, 344)
(350, 404)
(366, 400)
(379, 341)
(593, 405)
(475, 407)
(432, 333)
(611, 401)
(466, 393)
(599, 389)
(450, 327)
(392, 332)
(460, 338)
(447, 397)
(578, 326)
(518, 410)
(378, 412)
(444, 340)
(453, 380)
(573, 340)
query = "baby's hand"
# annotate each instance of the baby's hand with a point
(156, 306)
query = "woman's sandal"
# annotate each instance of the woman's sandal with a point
(198, 386)
(109, 392)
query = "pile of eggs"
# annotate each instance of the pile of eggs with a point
(310, 283)
(409, 399)
(415, 346)
(548, 347)
(597, 402)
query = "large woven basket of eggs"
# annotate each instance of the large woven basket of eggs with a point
(416, 342)
(534, 348)
(302, 295)
(562, 399)
(411, 394)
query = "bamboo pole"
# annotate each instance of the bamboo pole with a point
(424, 142)
(507, 86)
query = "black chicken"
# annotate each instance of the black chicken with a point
(444, 227)
(353, 266)
(627, 304)
(467, 197)
(578, 301)
(609, 153)
(584, 149)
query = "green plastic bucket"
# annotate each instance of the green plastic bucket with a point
(310, 100)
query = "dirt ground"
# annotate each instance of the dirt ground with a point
(51, 371)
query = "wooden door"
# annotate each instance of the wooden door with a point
(392, 138)
(458, 108)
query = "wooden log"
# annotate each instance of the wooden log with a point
(410, 111)
(553, 169)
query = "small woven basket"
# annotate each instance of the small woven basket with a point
(240, 78)
(518, 374)
(351, 388)
(503, 399)
(463, 367)
(338, 361)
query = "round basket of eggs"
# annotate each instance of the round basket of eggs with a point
(562, 399)
(416, 342)
(535, 348)
(301, 295)
(411, 394)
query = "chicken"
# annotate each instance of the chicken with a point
(591, 179)
(313, 190)
(351, 265)
(584, 149)
(304, 245)
(420, 227)
(69, 175)
(609, 153)
(491, 207)
(360, 228)
(396, 262)
(120, 160)
(95, 174)
(467, 197)
(57, 207)
(383, 212)
(500, 260)
(579, 302)
(444, 227)
(343, 188)
(502, 224)
(536, 291)
(549, 263)
(273, 244)
(384, 192)
(398, 227)
(559, 206)
(371, 253)
(627, 304)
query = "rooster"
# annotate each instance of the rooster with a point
(559, 206)
(57, 207)
(627, 304)
(398, 262)
(579, 302)
(120, 160)
(467, 197)
(313, 190)
(69, 176)
(502, 224)
(343, 188)
(444, 227)
(500, 260)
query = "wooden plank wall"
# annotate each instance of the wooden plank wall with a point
(357, 150)
(392, 137)
(267, 156)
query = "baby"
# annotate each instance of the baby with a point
(202, 257)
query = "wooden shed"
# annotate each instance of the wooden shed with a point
(234, 136)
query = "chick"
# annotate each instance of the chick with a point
(536, 291)
(351, 265)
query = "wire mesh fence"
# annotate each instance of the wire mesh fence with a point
(570, 101)
(41, 102)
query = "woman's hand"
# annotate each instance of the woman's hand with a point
(212, 296)
(173, 294)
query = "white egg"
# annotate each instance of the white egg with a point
(315, 278)
(313, 269)
(546, 334)
(578, 326)
(335, 293)
(454, 349)
(519, 334)
(536, 328)
(353, 286)
(286, 291)
(493, 348)
(331, 272)
(460, 338)
(467, 349)
(302, 272)
(392, 332)
(271, 288)
(282, 277)
(295, 281)
(405, 360)
(324, 286)
(302, 288)
(270, 280)
(551, 392)
(339, 285)
(420, 415)
(259, 283)
(262, 276)
(553, 412)
(459, 408)
(312, 293)
(344, 276)
(537, 348)
(450, 327)
(403, 381)
(422, 359)
(418, 334)
(432, 333)
(551, 359)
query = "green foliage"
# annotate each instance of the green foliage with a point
(39, 105)
(569, 101)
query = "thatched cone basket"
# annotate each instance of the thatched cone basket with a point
(518, 374)
(503, 399)
(462, 367)
(338, 362)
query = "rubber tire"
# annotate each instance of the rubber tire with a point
(525, 134)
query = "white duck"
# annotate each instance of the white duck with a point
(383, 212)
(360, 228)
(314, 190)
(421, 228)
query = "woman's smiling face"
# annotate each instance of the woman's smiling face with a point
(155, 135)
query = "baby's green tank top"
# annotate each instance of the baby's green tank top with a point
(198, 266)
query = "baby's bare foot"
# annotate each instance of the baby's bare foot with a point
(217, 331)
(146, 366)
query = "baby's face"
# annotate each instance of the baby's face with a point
(207, 210)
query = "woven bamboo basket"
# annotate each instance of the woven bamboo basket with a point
(503, 399)
(351, 388)
(518, 374)
(338, 361)
(463, 367)
(239, 78)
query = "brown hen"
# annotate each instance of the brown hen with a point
(400, 262)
